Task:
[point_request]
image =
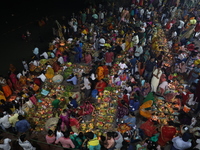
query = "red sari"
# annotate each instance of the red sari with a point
(148, 128)
(100, 86)
(123, 77)
(166, 135)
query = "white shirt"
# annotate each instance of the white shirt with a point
(102, 41)
(178, 143)
(61, 60)
(48, 66)
(35, 63)
(191, 99)
(101, 15)
(86, 83)
(138, 51)
(59, 134)
(6, 145)
(135, 39)
(19, 75)
(144, 24)
(141, 11)
(36, 51)
(26, 145)
(116, 80)
(120, 9)
(182, 56)
(5, 122)
(64, 67)
(122, 65)
(123, 45)
(42, 77)
(24, 72)
(129, 89)
(170, 44)
(148, 14)
(25, 65)
(181, 24)
(164, 85)
(174, 34)
(45, 55)
(92, 76)
(198, 144)
(118, 140)
(143, 29)
(75, 28)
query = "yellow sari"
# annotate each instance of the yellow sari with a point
(2, 96)
(146, 113)
(128, 42)
(49, 73)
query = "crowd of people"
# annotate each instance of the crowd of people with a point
(143, 54)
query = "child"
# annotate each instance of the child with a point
(58, 132)
(93, 142)
(50, 137)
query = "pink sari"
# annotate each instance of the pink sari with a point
(86, 109)
(14, 81)
(13, 78)
(65, 122)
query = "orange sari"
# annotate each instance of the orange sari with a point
(100, 73)
(6, 90)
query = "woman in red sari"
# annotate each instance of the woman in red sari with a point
(149, 128)
(100, 85)
(74, 123)
(166, 134)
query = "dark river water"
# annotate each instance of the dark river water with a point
(19, 16)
